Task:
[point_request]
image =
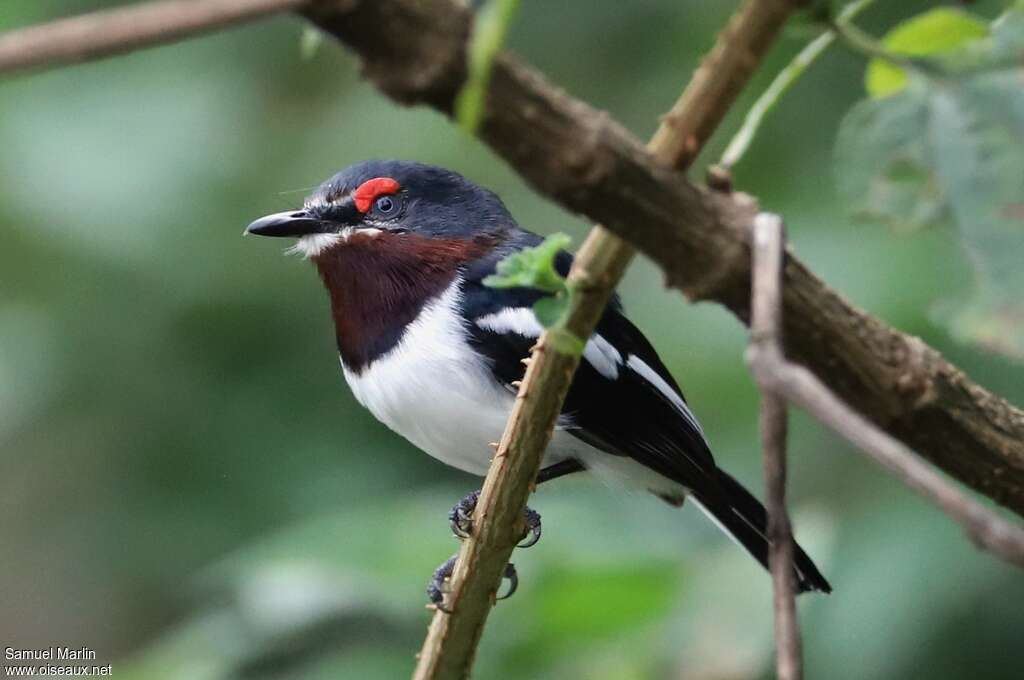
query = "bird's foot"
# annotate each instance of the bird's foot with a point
(438, 586)
(460, 519)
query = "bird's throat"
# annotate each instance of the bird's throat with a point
(379, 284)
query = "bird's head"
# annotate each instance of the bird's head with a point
(390, 199)
(387, 237)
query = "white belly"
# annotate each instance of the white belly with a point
(435, 391)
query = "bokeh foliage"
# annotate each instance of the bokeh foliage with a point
(189, 488)
(942, 141)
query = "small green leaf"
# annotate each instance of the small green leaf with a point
(310, 41)
(550, 311)
(532, 267)
(940, 30)
(490, 27)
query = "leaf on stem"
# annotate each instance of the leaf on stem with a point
(490, 27)
(535, 268)
(941, 30)
(951, 149)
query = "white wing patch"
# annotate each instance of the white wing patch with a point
(638, 366)
(519, 320)
(603, 357)
(598, 352)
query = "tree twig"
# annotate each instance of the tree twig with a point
(108, 32)
(766, 336)
(776, 375)
(581, 159)
(453, 635)
(859, 41)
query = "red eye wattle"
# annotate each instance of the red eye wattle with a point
(369, 190)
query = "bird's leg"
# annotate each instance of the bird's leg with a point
(438, 585)
(460, 519)
(559, 469)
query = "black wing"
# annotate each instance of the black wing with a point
(623, 400)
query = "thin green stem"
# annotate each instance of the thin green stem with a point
(492, 24)
(743, 138)
(859, 41)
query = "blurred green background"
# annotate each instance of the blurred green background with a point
(188, 487)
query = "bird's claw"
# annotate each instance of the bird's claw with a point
(460, 519)
(438, 585)
(513, 581)
(533, 530)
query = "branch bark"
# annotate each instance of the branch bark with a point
(779, 377)
(581, 159)
(765, 337)
(101, 34)
(455, 631)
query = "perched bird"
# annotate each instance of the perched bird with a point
(434, 354)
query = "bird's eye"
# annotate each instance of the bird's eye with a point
(385, 206)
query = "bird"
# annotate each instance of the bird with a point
(403, 249)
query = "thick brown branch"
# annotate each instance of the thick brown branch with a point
(796, 384)
(766, 336)
(586, 162)
(451, 642)
(101, 34)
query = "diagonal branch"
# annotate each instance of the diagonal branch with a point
(785, 79)
(796, 384)
(108, 32)
(765, 338)
(455, 631)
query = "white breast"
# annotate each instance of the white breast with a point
(435, 390)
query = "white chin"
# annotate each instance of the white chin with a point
(314, 244)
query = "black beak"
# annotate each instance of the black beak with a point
(295, 223)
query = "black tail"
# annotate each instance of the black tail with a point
(744, 518)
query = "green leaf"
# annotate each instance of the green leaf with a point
(551, 310)
(310, 41)
(937, 31)
(951, 150)
(883, 162)
(490, 27)
(977, 136)
(532, 267)
(535, 268)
